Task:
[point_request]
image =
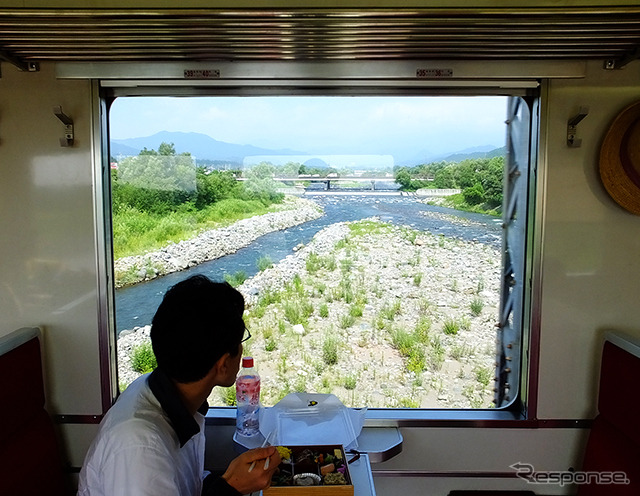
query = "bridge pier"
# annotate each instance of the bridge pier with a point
(327, 185)
(373, 185)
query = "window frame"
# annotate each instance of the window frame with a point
(520, 413)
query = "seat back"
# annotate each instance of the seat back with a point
(30, 462)
(614, 440)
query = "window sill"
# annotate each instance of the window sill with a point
(384, 417)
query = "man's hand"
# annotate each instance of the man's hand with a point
(245, 482)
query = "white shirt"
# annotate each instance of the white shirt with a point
(137, 451)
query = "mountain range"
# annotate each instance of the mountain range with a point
(199, 145)
(204, 147)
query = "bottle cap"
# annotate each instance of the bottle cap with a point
(247, 362)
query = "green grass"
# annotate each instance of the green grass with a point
(330, 350)
(450, 327)
(324, 310)
(346, 321)
(236, 279)
(476, 306)
(313, 263)
(270, 345)
(264, 262)
(409, 346)
(435, 357)
(421, 332)
(297, 311)
(483, 375)
(363, 227)
(356, 310)
(316, 262)
(416, 361)
(136, 232)
(457, 202)
(350, 382)
(228, 395)
(268, 297)
(142, 358)
(402, 341)
(390, 310)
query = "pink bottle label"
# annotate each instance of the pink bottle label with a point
(248, 390)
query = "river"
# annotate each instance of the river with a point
(135, 305)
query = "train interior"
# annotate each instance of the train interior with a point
(572, 64)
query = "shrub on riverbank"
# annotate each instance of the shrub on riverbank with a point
(458, 202)
(143, 359)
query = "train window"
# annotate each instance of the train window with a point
(379, 241)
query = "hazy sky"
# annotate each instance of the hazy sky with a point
(311, 124)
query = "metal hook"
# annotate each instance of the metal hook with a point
(68, 122)
(572, 124)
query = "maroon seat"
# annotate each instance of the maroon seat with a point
(614, 441)
(30, 462)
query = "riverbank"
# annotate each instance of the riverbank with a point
(456, 202)
(212, 244)
(380, 315)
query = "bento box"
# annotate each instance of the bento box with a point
(317, 470)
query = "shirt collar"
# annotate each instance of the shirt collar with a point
(165, 391)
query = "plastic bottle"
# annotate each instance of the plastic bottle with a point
(248, 399)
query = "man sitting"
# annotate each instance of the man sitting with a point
(151, 442)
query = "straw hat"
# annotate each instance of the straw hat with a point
(620, 159)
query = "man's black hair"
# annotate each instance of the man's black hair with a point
(198, 321)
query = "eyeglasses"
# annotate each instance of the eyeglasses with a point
(246, 335)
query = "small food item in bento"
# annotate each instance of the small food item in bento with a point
(327, 469)
(306, 479)
(335, 479)
(305, 462)
(306, 455)
(283, 476)
(284, 452)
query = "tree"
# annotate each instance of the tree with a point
(445, 178)
(260, 181)
(291, 169)
(166, 149)
(492, 181)
(473, 195)
(144, 151)
(403, 178)
(466, 173)
(214, 186)
(153, 182)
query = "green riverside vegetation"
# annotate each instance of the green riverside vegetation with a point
(480, 181)
(159, 197)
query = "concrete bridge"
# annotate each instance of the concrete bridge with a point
(372, 180)
(338, 179)
(328, 180)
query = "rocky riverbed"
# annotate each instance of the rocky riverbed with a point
(380, 315)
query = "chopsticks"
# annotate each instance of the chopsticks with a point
(266, 464)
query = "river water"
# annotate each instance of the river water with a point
(135, 305)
